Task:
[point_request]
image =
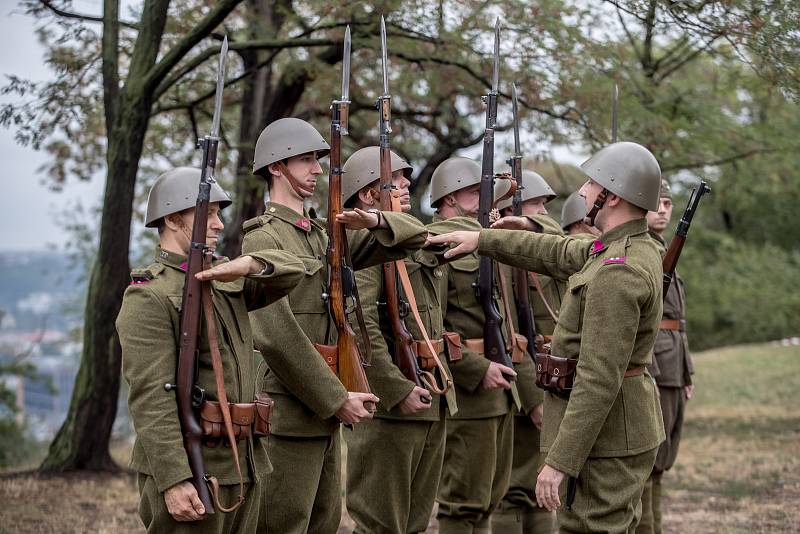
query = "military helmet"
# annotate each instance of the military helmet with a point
(666, 190)
(574, 210)
(454, 174)
(285, 138)
(533, 186)
(364, 167)
(175, 191)
(629, 171)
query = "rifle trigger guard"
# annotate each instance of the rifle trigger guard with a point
(403, 308)
(198, 396)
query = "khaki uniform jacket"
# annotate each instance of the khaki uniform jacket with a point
(148, 325)
(463, 314)
(672, 363)
(609, 320)
(306, 393)
(385, 378)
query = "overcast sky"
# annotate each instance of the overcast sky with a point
(27, 207)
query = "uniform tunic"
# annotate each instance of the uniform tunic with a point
(148, 325)
(607, 432)
(396, 458)
(478, 450)
(518, 513)
(304, 491)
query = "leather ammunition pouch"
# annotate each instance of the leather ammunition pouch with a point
(543, 343)
(247, 418)
(329, 353)
(427, 361)
(555, 374)
(453, 345)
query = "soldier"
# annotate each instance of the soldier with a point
(607, 325)
(572, 215)
(518, 512)
(304, 490)
(148, 327)
(395, 460)
(477, 462)
(672, 369)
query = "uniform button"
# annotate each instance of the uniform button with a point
(437, 273)
(272, 210)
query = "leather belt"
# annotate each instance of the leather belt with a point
(678, 325)
(634, 371)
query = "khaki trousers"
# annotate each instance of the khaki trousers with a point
(393, 469)
(476, 472)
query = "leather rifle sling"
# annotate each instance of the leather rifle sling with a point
(538, 285)
(426, 376)
(362, 326)
(501, 277)
(219, 377)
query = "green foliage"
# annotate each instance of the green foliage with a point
(739, 291)
(17, 447)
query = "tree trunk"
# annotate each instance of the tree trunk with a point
(82, 441)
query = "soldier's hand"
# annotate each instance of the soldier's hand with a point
(536, 415)
(353, 409)
(688, 391)
(494, 379)
(547, 485)
(513, 222)
(182, 502)
(417, 401)
(359, 219)
(464, 242)
(233, 270)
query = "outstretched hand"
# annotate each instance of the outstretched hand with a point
(358, 219)
(233, 270)
(462, 242)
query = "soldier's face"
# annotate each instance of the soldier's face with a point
(401, 184)
(658, 221)
(305, 168)
(468, 199)
(534, 206)
(589, 192)
(214, 227)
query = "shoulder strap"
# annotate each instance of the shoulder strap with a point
(538, 286)
(216, 361)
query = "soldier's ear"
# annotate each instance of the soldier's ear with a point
(173, 221)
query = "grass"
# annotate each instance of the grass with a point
(738, 470)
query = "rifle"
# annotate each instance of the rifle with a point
(342, 292)
(188, 393)
(670, 261)
(396, 307)
(614, 112)
(522, 298)
(493, 344)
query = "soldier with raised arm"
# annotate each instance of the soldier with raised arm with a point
(304, 491)
(602, 421)
(148, 326)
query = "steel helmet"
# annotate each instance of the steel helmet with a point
(175, 191)
(454, 174)
(533, 186)
(364, 167)
(574, 210)
(629, 171)
(285, 138)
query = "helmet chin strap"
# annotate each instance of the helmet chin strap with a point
(294, 183)
(599, 202)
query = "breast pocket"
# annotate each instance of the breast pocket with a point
(307, 296)
(464, 276)
(571, 315)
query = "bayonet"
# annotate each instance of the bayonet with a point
(344, 103)
(223, 56)
(385, 100)
(515, 115)
(614, 111)
(496, 67)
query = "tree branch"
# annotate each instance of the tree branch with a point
(88, 18)
(214, 17)
(714, 163)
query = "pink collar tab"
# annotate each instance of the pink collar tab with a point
(609, 261)
(303, 223)
(183, 266)
(597, 246)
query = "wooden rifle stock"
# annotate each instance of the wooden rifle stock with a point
(341, 282)
(670, 261)
(188, 393)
